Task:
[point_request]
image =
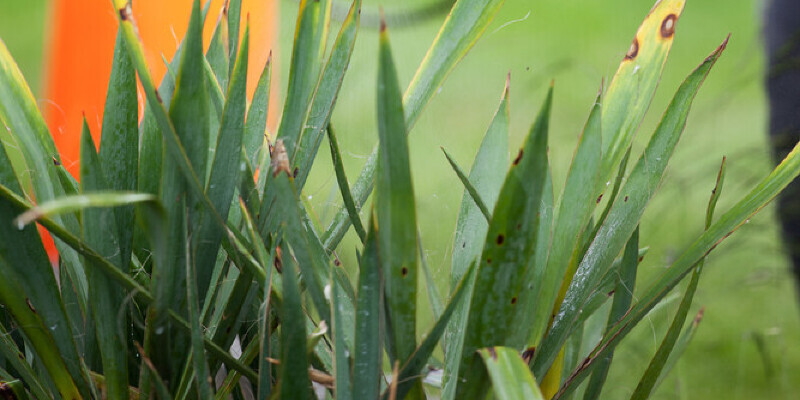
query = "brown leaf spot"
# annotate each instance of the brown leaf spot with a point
(611, 293)
(599, 198)
(528, 354)
(492, 352)
(514, 300)
(56, 162)
(500, 239)
(626, 199)
(6, 393)
(158, 97)
(519, 157)
(633, 51)
(668, 26)
(488, 260)
(124, 13)
(294, 173)
(336, 262)
(404, 271)
(30, 305)
(278, 262)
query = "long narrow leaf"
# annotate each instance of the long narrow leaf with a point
(396, 211)
(625, 213)
(367, 351)
(511, 378)
(510, 243)
(464, 25)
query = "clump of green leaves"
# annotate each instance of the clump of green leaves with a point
(186, 253)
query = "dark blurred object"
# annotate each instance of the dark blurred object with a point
(782, 31)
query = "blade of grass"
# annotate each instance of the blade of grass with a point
(510, 243)
(488, 169)
(511, 378)
(367, 352)
(151, 214)
(344, 186)
(574, 211)
(462, 28)
(294, 380)
(225, 169)
(469, 188)
(325, 95)
(100, 231)
(413, 367)
(256, 126)
(395, 211)
(30, 293)
(635, 82)
(623, 293)
(624, 215)
(119, 143)
(654, 370)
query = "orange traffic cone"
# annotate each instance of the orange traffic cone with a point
(81, 46)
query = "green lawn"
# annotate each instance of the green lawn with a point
(747, 345)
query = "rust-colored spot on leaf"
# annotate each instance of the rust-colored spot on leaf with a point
(6, 393)
(488, 260)
(278, 262)
(668, 26)
(492, 352)
(514, 300)
(404, 271)
(295, 172)
(56, 162)
(611, 293)
(124, 13)
(30, 305)
(599, 198)
(158, 97)
(634, 50)
(336, 262)
(626, 199)
(528, 354)
(500, 239)
(519, 157)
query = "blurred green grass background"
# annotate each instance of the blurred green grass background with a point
(748, 344)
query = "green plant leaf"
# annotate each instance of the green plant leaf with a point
(413, 367)
(574, 212)
(234, 11)
(119, 142)
(469, 188)
(488, 169)
(344, 186)
(152, 215)
(367, 352)
(511, 378)
(623, 293)
(303, 70)
(344, 381)
(100, 231)
(396, 212)
(634, 84)
(20, 114)
(655, 369)
(464, 25)
(256, 125)
(325, 96)
(624, 214)
(217, 53)
(225, 170)
(30, 294)
(294, 380)
(510, 243)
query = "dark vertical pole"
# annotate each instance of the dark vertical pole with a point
(782, 31)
